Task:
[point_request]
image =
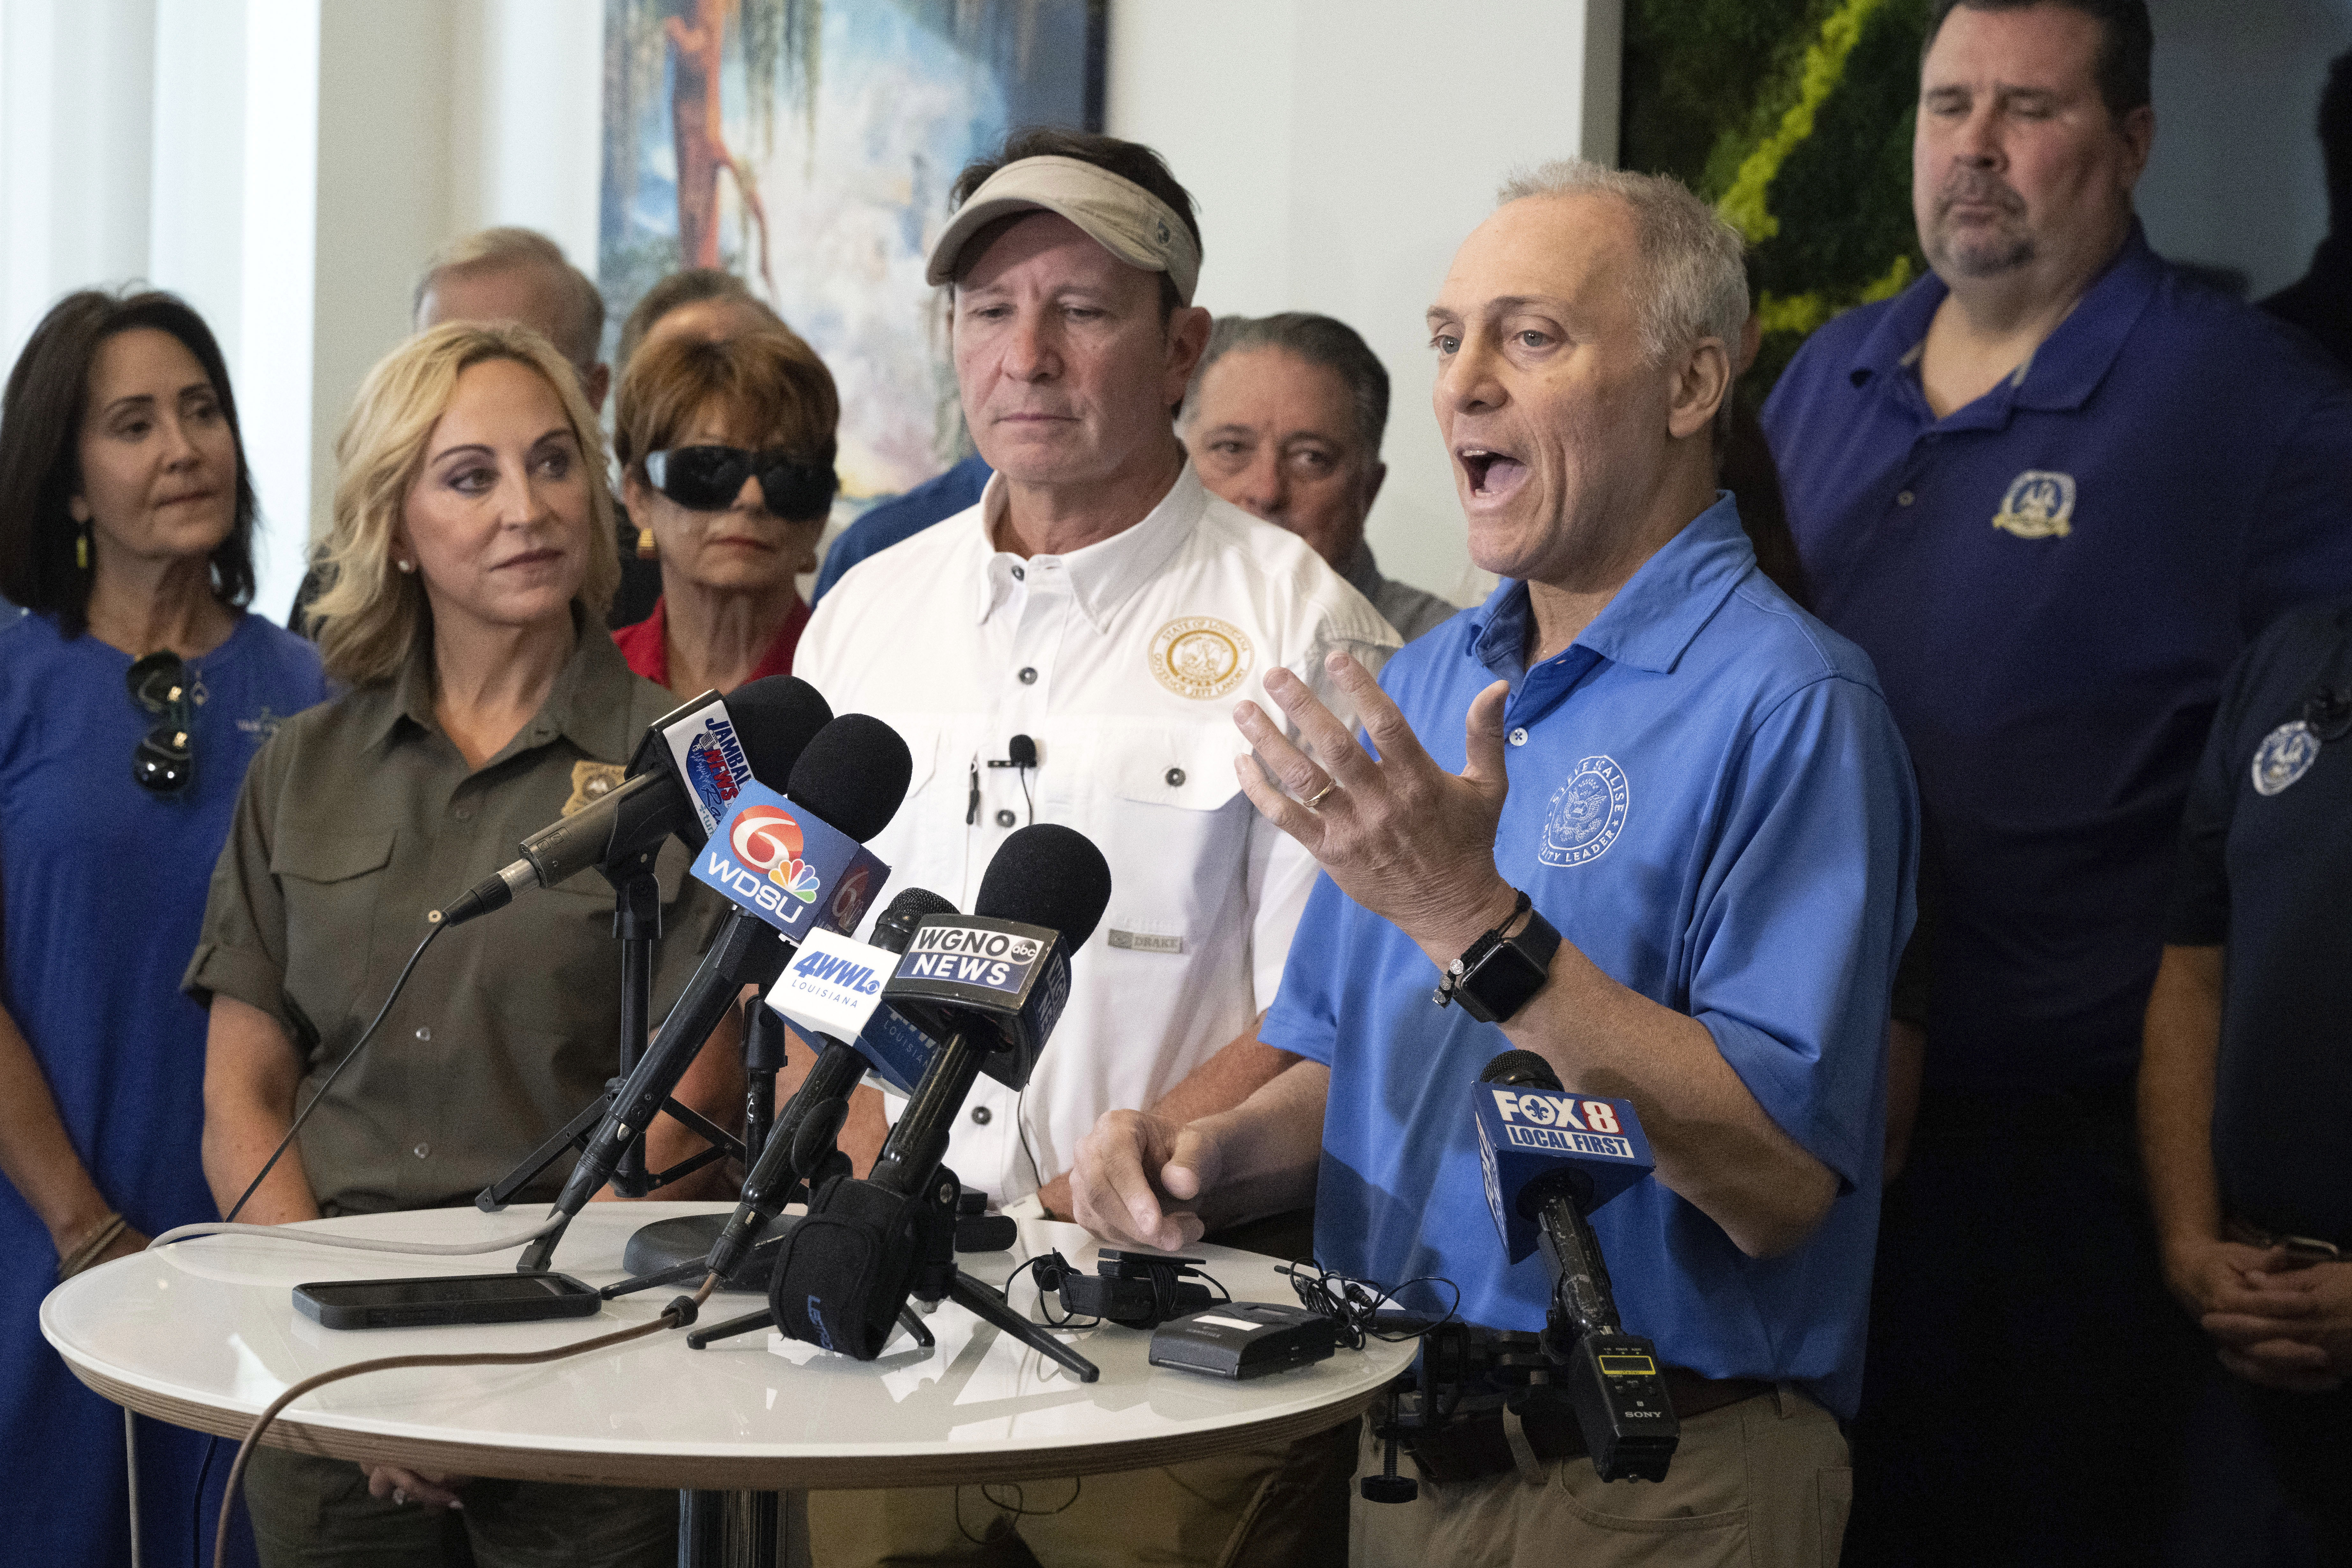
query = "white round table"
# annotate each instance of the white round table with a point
(205, 1334)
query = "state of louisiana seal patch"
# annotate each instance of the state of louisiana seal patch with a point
(2284, 756)
(1199, 656)
(1586, 813)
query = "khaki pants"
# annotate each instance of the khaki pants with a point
(1762, 1484)
(1278, 1505)
(310, 1511)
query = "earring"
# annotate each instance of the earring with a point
(647, 548)
(405, 566)
(81, 548)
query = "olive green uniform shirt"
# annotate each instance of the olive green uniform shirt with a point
(357, 818)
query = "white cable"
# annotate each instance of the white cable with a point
(359, 1243)
(131, 1459)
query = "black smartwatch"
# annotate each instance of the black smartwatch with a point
(1496, 974)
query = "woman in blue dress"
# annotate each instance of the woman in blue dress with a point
(132, 695)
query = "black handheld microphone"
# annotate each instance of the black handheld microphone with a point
(975, 988)
(758, 732)
(852, 777)
(1612, 1379)
(783, 1164)
(846, 1270)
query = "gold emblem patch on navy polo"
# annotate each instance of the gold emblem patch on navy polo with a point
(1199, 656)
(2039, 504)
(591, 782)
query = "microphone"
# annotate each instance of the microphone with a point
(1001, 973)
(1550, 1159)
(694, 761)
(849, 782)
(995, 984)
(782, 1164)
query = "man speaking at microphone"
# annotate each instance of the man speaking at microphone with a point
(1066, 652)
(1660, 820)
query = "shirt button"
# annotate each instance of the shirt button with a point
(425, 1034)
(1518, 737)
(465, 814)
(421, 1150)
(1019, 575)
(1003, 818)
(980, 1117)
(1904, 499)
(1175, 778)
(1029, 675)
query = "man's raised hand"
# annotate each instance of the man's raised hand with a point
(1403, 838)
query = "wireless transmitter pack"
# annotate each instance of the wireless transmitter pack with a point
(1136, 1289)
(1244, 1339)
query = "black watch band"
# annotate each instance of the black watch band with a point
(1497, 975)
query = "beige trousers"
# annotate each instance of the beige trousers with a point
(1266, 1507)
(1761, 1484)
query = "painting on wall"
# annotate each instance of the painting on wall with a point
(1793, 117)
(808, 146)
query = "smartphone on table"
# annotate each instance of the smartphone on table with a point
(444, 1299)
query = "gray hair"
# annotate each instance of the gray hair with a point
(1698, 278)
(1319, 341)
(504, 249)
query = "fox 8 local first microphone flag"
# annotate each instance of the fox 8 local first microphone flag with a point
(1523, 1132)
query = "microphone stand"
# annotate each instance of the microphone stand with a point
(746, 950)
(636, 921)
(637, 925)
(763, 1058)
(937, 1278)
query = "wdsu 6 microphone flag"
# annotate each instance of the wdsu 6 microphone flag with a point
(1525, 1134)
(783, 863)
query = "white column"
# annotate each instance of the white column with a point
(280, 251)
(74, 153)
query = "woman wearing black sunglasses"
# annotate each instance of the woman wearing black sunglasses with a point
(131, 698)
(727, 456)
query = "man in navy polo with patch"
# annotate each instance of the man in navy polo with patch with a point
(1678, 808)
(2051, 490)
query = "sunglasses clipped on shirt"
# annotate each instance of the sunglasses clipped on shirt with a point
(709, 478)
(166, 761)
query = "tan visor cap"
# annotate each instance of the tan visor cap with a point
(1121, 216)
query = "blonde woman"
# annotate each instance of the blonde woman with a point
(472, 534)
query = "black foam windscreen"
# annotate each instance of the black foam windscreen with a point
(853, 775)
(775, 718)
(1048, 875)
(904, 913)
(1523, 1068)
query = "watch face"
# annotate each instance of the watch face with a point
(1501, 984)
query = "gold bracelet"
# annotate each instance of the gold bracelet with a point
(90, 1245)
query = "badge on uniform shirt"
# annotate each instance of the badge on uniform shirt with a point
(2284, 756)
(1586, 813)
(591, 782)
(1199, 656)
(2039, 506)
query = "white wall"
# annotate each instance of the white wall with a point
(2236, 179)
(1339, 153)
(287, 165)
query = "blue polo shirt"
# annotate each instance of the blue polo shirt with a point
(901, 517)
(2051, 582)
(1709, 799)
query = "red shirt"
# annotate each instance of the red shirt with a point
(646, 645)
